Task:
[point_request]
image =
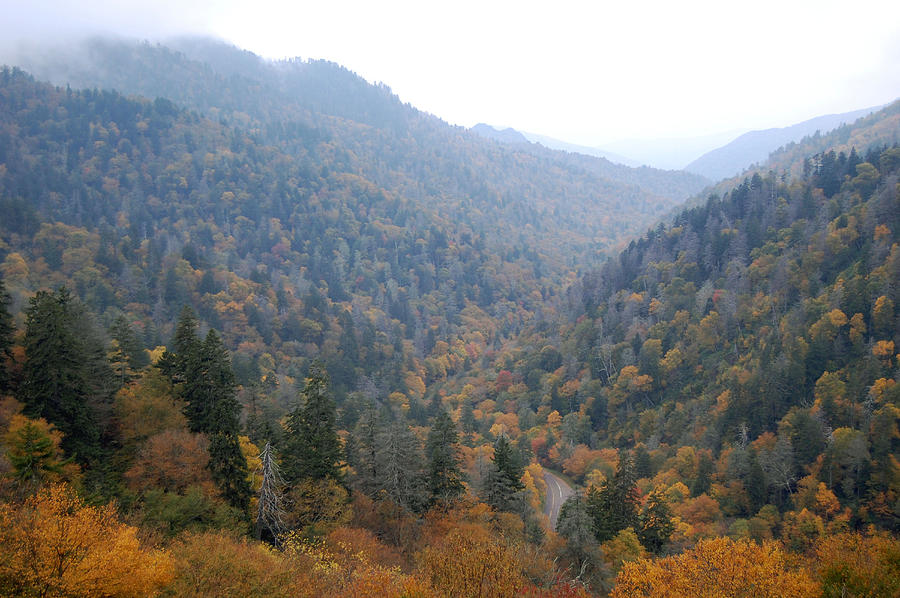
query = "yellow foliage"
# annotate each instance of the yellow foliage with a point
(55, 545)
(837, 318)
(877, 390)
(531, 491)
(594, 478)
(802, 529)
(322, 503)
(677, 492)
(537, 474)
(148, 406)
(718, 568)
(216, 564)
(553, 419)
(469, 562)
(856, 565)
(624, 548)
(883, 350)
(251, 454)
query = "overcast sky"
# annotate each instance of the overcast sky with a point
(584, 72)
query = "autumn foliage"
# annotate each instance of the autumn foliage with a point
(718, 568)
(55, 545)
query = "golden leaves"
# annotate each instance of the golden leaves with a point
(718, 568)
(56, 545)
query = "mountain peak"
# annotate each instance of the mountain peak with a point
(508, 135)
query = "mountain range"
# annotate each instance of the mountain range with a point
(211, 262)
(755, 146)
(732, 153)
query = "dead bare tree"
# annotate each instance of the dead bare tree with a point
(270, 512)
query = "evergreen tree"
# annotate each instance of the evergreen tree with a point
(102, 382)
(185, 346)
(128, 353)
(442, 450)
(313, 447)
(399, 462)
(55, 384)
(656, 525)
(757, 488)
(209, 388)
(7, 329)
(213, 409)
(229, 469)
(32, 453)
(576, 526)
(186, 342)
(502, 488)
(364, 453)
(614, 506)
(703, 480)
(643, 466)
(209, 391)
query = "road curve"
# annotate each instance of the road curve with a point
(557, 493)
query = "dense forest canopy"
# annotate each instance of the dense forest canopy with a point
(273, 332)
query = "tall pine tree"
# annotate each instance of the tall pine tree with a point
(614, 506)
(502, 488)
(365, 452)
(55, 384)
(313, 449)
(399, 461)
(213, 409)
(209, 390)
(442, 449)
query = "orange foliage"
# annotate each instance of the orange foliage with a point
(216, 564)
(148, 406)
(703, 515)
(469, 562)
(172, 461)
(580, 460)
(55, 545)
(715, 569)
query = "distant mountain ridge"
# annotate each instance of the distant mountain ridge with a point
(677, 184)
(508, 135)
(755, 146)
(556, 144)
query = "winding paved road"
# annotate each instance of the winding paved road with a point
(557, 493)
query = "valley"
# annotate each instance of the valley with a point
(265, 329)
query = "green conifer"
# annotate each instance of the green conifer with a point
(313, 449)
(442, 450)
(55, 384)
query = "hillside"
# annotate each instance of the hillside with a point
(579, 149)
(366, 203)
(665, 183)
(748, 149)
(758, 326)
(267, 331)
(508, 135)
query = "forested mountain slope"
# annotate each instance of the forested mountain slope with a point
(677, 184)
(280, 236)
(823, 151)
(754, 338)
(410, 344)
(755, 146)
